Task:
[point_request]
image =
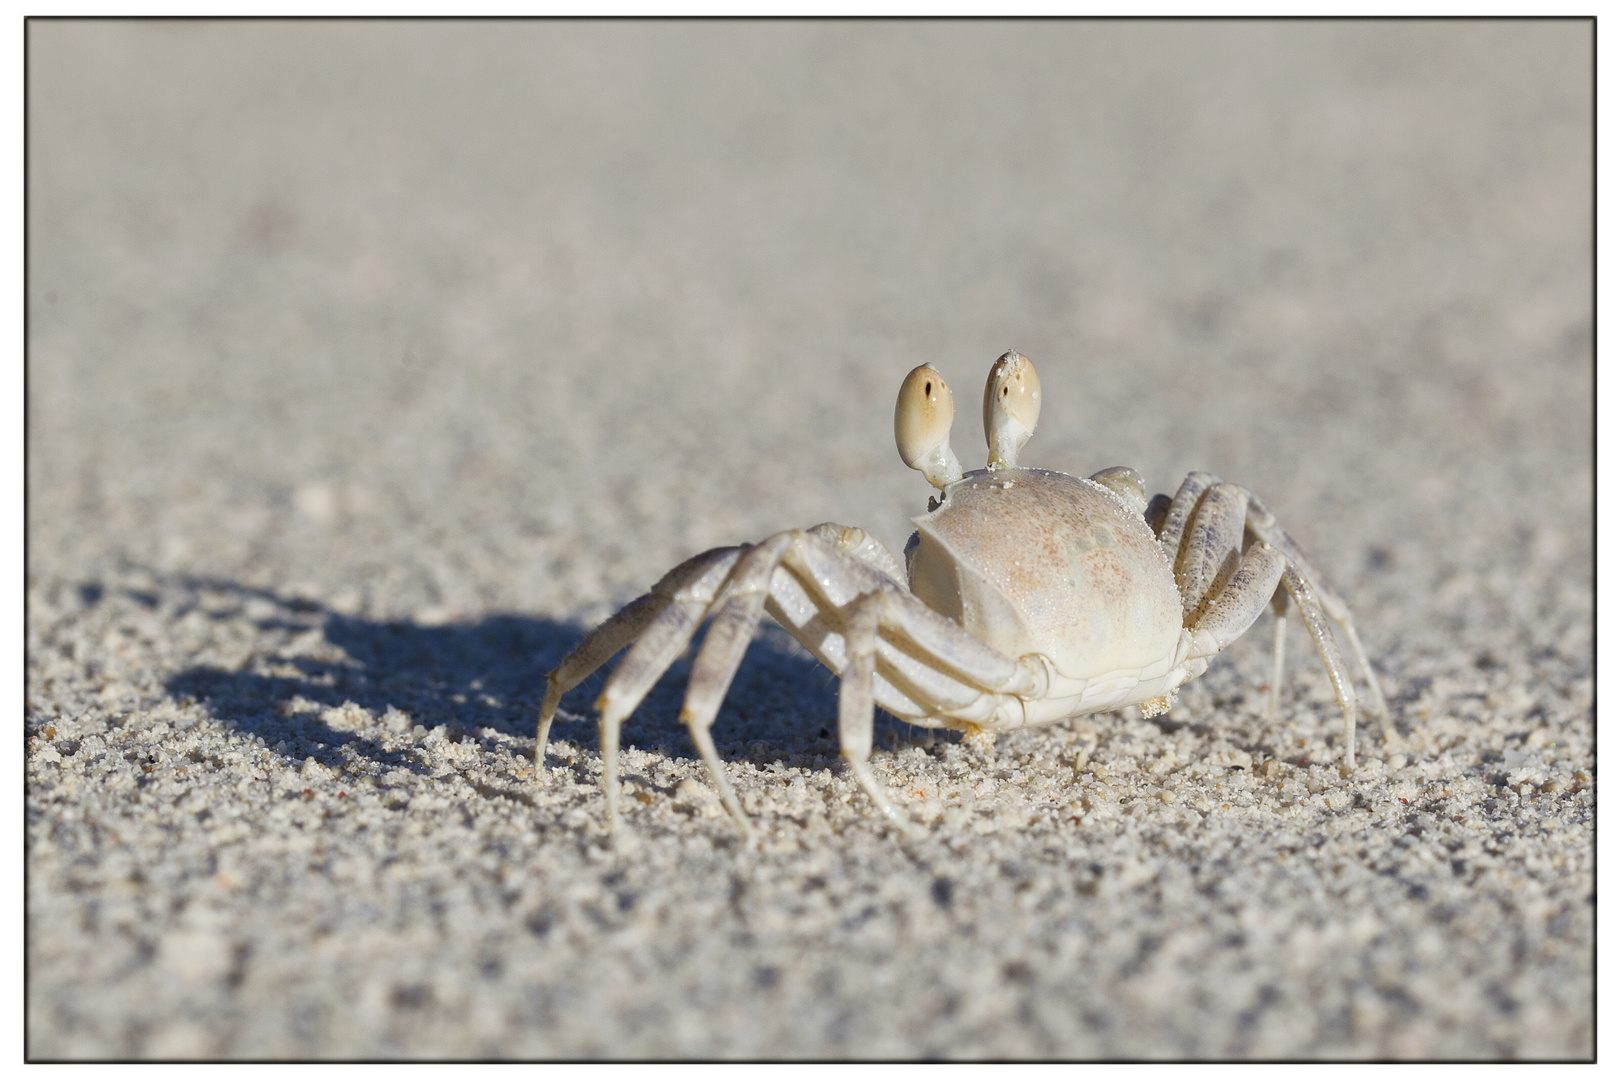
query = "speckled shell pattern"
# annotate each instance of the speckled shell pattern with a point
(1031, 561)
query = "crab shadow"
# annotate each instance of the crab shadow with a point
(484, 680)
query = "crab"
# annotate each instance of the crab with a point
(1027, 597)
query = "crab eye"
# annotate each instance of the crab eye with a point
(923, 412)
(1012, 406)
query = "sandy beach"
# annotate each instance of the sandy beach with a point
(370, 365)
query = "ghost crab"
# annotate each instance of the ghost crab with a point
(1027, 597)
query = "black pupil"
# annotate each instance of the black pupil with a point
(928, 388)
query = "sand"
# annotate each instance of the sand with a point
(370, 365)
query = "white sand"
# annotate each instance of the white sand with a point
(370, 363)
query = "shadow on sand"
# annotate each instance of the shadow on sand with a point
(482, 680)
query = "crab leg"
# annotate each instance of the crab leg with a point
(1155, 512)
(1210, 550)
(1225, 610)
(1312, 613)
(904, 685)
(822, 635)
(809, 579)
(880, 641)
(1280, 623)
(597, 649)
(1261, 522)
(841, 604)
(733, 590)
(737, 612)
(928, 669)
(855, 700)
(819, 582)
(1236, 606)
(1179, 510)
(908, 682)
(699, 576)
(689, 589)
(918, 631)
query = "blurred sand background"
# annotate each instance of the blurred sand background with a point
(371, 363)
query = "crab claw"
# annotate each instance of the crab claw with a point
(1012, 403)
(923, 413)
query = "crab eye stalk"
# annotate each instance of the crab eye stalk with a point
(1012, 403)
(923, 414)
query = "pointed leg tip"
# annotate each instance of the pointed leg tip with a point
(896, 819)
(749, 830)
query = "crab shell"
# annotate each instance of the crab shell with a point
(1031, 561)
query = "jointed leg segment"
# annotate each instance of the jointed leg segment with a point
(1224, 586)
(664, 640)
(1179, 510)
(1211, 547)
(597, 649)
(1280, 624)
(1323, 638)
(855, 700)
(1264, 526)
(819, 589)
(740, 603)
